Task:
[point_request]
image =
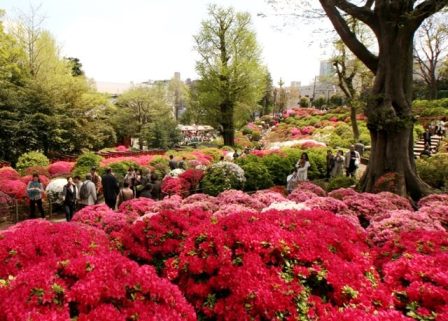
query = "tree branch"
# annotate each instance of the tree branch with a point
(363, 14)
(348, 37)
(425, 10)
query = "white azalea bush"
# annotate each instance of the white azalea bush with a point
(222, 176)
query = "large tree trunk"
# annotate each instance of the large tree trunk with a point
(390, 119)
(228, 129)
(354, 122)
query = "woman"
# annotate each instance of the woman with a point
(291, 181)
(35, 190)
(302, 167)
(125, 194)
(338, 169)
(70, 194)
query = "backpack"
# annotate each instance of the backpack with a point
(84, 191)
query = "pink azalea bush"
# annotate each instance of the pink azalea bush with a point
(433, 199)
(384, 226)
(60, 169)
(299, 196)
(34, 241)
(267, 197)
(28, 178)
(103, 287)
(8, 173)
(135, 207)
(308, 186)
(239, 198)
(342, 193)
(13, 188)
(437, 211)
(102, 217)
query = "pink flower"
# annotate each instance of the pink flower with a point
(60, 168)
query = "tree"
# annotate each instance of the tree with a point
(138, 108)
(229, 66)
(430, 49)
(282, 98)
(352, 76)
(389, 113)
(76, 66)
(267, 102)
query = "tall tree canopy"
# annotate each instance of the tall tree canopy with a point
(389, 113)
(231, 75)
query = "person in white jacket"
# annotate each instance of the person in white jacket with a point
(302, 167)
(352, 161)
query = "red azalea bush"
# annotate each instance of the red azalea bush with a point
(360, 315)
(430, 243)
(60, 168)
(175, 186)
(154, 239)
(384, 226)
(121, 148)
(8, 173)
(104, 288)
(193, 177)
(13, 188)
(33, 241)
(102, 217)
(136, 207)
(286, 265)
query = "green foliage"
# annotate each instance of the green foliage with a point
(257, 176)
(434, 170)
(340, 182)
(120, 168)
(279, 167)
(31, 159)
(304, 102)
(438, 107)
(161, 166)
(88, 159)
(162, 133)
(232, 78)
(218, 179)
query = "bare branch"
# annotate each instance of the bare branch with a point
(425, 10)
(363, 14)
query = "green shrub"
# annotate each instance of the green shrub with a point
(255, 137)
(257, 176)
(213, 152)
(434, 170)
(317, 158)
(31, 159)
(88, 159)
(279, 167)
(120, 169)
(222, 176)
(340, 182)
(161, 166)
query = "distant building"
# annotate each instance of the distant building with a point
(326, 68)
(319, 90)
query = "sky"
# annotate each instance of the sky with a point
(127, 41)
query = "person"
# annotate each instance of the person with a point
(130, 177)
(182, 164)
(125, 194)
(96, 179)
(87, 192)
(77, 181)
(221, 159)
(172, 163)
(359, 147)
(146, 191)
(339, 160)
(352, 161)
(302, 167)
(291, 181)
(235, 155)
(156, 186)
(330, 162)
(35, 191)
(69, 196)
(426, 151)
(110, 188)
(427, 137)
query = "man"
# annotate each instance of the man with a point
(87, 193)
(427, 137)
(172, 163)
(182, 164)
(96, 179)
(156, 186)
(35, 189)
(352, 161)
(110, 188)
(330, 162)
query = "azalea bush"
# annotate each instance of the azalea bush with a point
(257, 176)
(434, 170)
(276, 265)
(136, 207)
(102, 217)
(85, 162)
(222, 176)
(103, 287)
(58, 169)
(340, 182)
(31, 159)
(193, 177)
(175, 186)
(31, 242)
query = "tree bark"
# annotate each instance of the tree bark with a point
(390, 119)
(228, 129)
(354, 122)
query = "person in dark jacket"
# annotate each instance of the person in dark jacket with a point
(156, 186)
(172, 163)
(146, 191)
(110, 188)
(70, 194)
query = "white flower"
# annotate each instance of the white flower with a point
(287, 205)
(176, 172)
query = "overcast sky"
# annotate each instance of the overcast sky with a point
(138, 40)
